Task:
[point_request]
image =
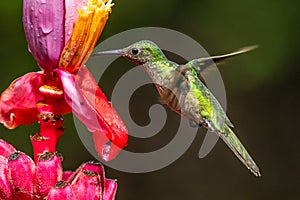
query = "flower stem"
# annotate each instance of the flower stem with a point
(50, 131)
(50, 120)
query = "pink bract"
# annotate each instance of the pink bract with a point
(21, 179)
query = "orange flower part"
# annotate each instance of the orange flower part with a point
(88, 28)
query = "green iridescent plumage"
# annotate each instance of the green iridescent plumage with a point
(182, 90)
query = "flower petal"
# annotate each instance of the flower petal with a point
(80, 106)
(110, 189)
(48, 172)
(104, 147)
(15, 109)
(6, 149)
(90, 105)
(21, 172)
(67, 175)
(44, 29)
(61, 190)
(98, 168)
(87, 185)
(72, 7)
(5, 189)
(91, 91)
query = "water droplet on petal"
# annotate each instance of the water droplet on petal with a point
(47, 28)
(106, 151)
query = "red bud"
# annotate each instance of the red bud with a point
(61, 191)
(48, 172)
(21, 170)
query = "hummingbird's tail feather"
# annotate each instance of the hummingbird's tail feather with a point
(239, 150)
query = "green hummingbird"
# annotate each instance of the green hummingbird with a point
(181, 88)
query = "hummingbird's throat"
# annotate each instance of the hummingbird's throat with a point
(136, 61)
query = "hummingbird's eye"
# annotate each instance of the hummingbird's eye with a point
(135, 51)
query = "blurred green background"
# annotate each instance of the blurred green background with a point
(262, 89)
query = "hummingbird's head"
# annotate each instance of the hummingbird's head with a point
(140, 52)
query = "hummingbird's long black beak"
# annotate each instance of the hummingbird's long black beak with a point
(110, 52)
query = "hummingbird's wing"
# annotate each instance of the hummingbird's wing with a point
(189, 77)
(202, 64)
(173, 92)
(197, 66)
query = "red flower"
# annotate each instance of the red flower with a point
(61, 35)
(21, 178)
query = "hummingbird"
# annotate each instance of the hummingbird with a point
(181, 88)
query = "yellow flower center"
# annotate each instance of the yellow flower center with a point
(88, 28)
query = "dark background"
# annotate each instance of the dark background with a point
(262, 90)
